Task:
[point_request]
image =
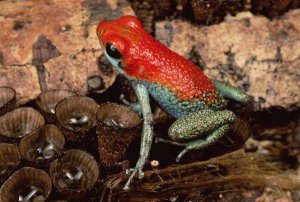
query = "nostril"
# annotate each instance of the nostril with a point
(100, 32)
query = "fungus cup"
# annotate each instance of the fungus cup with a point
(26, 184)
(74, 174)
(7, 99)
(9, 159)
(117, 127)
(20, 122)
(42, 146)
(76, 117)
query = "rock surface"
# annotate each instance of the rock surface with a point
(13, 76)
(251, 52)
(261, 56)
(206, 12)
(68, 28)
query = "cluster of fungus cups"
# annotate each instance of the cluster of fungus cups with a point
(7, 99)
(117, 127)
(18, 123)
(74, 173)
(25, 137)
(76, 116)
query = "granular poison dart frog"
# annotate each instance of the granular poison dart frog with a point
(179, 87)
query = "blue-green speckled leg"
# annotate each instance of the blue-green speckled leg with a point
(198, 130)
(147, 135)
(203, 143)
(199, 143)
(231, 92)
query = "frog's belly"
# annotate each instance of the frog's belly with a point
(171, 104)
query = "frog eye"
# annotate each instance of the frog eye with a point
(112, 51)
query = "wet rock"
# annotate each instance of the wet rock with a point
(43, 50)
(212, 11)
(207, 11)
(273, 8)
(275, 194)
(99, 11)
(22, 78)
(22, 22)
(73, 72)
(66, 46)
(250, 52)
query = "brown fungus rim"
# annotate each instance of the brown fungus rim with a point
(31, 175)
(28, 109)
(120, 112)
(42, 95)
(57, 114)
(82, 157)
(33, 137)
(10, 149)
(12, 97)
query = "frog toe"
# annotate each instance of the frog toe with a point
(204, 143)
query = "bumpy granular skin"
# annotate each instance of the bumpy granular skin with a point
(177, 84)
(199, 123)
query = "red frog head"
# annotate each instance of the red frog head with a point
(122, 41)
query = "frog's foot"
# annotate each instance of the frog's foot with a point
(187, 148)
(133, 171)
(134, 106)
(157, 140)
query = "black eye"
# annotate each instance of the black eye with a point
(112, 51)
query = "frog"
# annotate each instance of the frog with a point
(179, 87)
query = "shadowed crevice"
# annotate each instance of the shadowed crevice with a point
(43, 50)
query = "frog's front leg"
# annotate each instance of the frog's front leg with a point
(147, 135)
(199, 129)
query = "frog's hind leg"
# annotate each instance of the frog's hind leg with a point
(203, 143)
(198, 130)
